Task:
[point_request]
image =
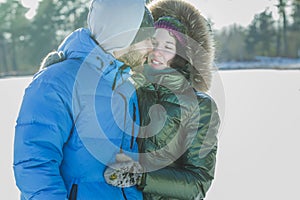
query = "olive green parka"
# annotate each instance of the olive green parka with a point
(178, 137)
(179, 120)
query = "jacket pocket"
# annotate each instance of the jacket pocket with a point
(73, 193)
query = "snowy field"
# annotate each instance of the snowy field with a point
(259, 146)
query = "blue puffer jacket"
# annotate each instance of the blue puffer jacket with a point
(75, 117)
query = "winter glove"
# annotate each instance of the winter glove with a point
(124, 173)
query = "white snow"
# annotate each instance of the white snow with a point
(259, 144)
(11, 90)
(259, 147)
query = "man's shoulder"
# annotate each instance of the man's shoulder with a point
(60, 73)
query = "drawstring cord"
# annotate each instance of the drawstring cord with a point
(133, 123)
(125, 119)
(132, 129)
(119, 73)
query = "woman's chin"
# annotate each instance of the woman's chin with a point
(157, 67)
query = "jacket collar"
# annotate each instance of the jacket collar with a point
(166, 80)
(81, 46)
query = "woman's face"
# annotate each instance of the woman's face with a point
(164, 49)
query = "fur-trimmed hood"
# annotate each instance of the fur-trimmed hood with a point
(200, 42)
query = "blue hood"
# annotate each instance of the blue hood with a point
(80, 43)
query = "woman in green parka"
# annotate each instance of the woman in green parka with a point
(179, 121)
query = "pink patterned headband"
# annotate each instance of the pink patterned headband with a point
(174, 26)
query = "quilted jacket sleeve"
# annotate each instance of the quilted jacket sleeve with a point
(191, 175)
(43, 126)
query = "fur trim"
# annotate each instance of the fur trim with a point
(52, 58)
(200, 45)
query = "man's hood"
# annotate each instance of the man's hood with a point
(114, 24)
(80, 46)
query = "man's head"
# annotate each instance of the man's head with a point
(135, 55)
(117, 24)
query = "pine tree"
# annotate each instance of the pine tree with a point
(282, 12)
(13, 35)
(295, 15)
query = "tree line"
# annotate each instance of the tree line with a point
(24, 42)
(265, 36)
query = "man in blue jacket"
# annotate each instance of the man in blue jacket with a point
(79, 113)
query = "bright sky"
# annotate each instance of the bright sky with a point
(221, 12)
(227, 12)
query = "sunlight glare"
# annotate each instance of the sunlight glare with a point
(32, 5)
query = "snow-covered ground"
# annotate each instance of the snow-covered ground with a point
(11, 90)
(259, 147)
(259, 144)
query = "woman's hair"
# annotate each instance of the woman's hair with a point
(180, 62)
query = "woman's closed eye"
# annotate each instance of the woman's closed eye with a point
(169, 47)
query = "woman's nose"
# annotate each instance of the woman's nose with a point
(158, 54)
